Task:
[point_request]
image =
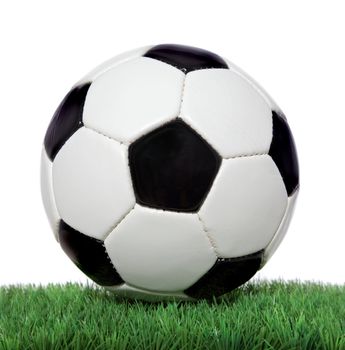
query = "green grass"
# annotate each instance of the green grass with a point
(263, 315)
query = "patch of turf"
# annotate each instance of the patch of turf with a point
(265, 315)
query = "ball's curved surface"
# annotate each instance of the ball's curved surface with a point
(168, 172)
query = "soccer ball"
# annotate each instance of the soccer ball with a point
(168, 172)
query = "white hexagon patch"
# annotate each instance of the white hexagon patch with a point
(133, 98)
(48, 193)
(91, 182)
(245, 206)
(160, 250)
(228, 112)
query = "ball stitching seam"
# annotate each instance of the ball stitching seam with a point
(209, 237)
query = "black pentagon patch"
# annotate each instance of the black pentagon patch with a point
(283, 153)
(226, 275)
(89, 255)
(186, 58)
(172, 168)
(66, 120)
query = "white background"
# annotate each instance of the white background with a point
(295, 49)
